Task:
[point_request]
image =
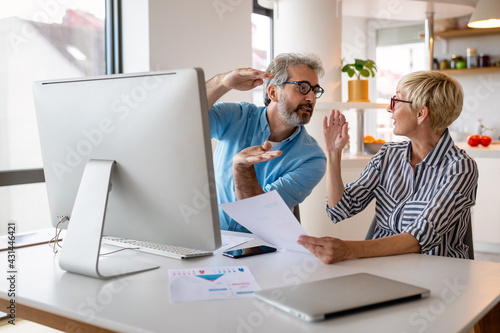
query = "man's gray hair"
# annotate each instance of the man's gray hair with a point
(279, 67)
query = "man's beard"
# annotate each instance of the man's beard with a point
(291, 115)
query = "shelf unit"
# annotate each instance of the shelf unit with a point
(462, 33)
(469, 71)
(359, 108)
(467, 33)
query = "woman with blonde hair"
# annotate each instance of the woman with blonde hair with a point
(424, 187)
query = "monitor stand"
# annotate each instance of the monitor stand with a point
(82, 243)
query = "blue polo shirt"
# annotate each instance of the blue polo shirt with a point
(294, 174)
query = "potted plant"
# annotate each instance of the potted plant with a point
(358, 89)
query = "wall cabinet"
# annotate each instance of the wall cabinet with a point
(486, 212)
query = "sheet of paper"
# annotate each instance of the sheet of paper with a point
(232, 241)
(269, 218)
(198, 284)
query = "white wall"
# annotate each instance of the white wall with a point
(214, 35)
(355, 42)
(319, 31)
(135, 35)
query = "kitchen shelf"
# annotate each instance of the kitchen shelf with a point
(467, 33)
(471, 71)
(462, 33)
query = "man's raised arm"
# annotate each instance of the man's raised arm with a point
(239, 79)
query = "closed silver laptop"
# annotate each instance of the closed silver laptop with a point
(322, 299)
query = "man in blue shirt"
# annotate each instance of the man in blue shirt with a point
(247, 134)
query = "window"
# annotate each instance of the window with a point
(51, 40)
(262, 44)
(399, 51)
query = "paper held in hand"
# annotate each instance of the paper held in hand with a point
(269, 218)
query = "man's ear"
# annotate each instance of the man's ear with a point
(272, 92)
(422, 115)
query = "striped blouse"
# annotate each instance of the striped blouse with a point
(431, 203)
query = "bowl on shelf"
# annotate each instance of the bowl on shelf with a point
(373, 147)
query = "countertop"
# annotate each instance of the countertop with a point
(492, 151)
(352, 161)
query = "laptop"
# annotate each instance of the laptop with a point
(319, 300)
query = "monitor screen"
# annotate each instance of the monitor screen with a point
(155, 127)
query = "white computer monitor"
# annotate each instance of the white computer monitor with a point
(154, 127)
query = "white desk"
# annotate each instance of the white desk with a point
(462, 292)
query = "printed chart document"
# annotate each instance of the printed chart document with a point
(198, 284)
(269, 218)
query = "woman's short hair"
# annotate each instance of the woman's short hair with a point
(442, 94)
(279, 67)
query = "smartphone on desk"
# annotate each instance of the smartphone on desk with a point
(249, 251)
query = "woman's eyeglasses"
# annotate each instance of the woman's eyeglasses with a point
(394, 100)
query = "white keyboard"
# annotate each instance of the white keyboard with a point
(170, 251)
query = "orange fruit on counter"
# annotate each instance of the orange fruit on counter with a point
(368, 139)
(379, 141)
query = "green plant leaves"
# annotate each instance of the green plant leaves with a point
(365, 68)
(364, 72)
(348, 70)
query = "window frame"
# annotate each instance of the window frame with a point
(113, 37)
(113, 50)
(258, 9)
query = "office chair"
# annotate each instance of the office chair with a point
(467, 239)
(296, 212)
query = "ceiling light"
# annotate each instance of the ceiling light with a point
(486, 15)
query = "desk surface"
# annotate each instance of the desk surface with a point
(462, 291)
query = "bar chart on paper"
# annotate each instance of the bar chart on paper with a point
(197, 284)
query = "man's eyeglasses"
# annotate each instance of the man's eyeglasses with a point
(305, 87)
(394, 100)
